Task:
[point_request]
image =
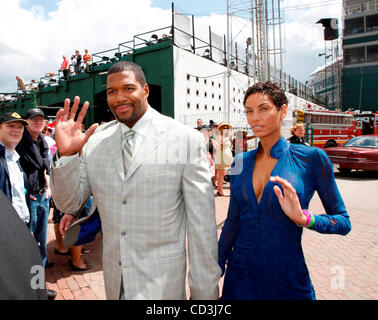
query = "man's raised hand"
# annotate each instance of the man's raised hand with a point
(69, 137)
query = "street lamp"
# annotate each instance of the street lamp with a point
(325, 73)
(331, 32)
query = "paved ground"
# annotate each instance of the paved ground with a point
(341, 268)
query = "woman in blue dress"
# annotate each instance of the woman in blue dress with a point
(271, 188)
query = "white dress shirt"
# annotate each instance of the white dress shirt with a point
(17, 183)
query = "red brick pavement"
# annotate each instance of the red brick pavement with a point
(341, 268)
(75, 285)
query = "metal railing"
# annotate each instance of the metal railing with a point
(351, 8)
(97, 58)
(197, 46)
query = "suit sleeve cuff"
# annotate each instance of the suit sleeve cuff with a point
(60, 162)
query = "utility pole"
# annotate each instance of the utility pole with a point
(229, 46)
(331, 32)
(265, 33)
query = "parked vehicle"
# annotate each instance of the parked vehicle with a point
(359, 153)
(332, 128)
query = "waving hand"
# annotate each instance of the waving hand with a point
(289, 200)
(69, 137)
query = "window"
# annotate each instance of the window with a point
(372, 23)
(354, 26)
(354, 55)
(372, 53)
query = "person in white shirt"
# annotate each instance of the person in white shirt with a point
(12, 180)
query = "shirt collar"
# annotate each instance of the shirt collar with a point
(278, 148)
(142, 124)
(14, 156)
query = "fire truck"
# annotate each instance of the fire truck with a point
(366, 123)
(327, 128)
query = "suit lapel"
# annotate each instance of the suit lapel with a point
(114, 147)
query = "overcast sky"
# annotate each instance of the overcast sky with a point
(34, 34)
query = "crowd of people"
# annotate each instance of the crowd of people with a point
(78, 64)
(219, 142)
(222, 145)
(157, 212)
(26, 150)
(25, 169)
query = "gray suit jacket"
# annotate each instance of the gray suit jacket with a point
(147, 215)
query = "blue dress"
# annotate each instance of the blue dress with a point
(260, 244)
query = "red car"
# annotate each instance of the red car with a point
(360, 153)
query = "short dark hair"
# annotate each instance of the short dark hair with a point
(129, 66)
(269, 88)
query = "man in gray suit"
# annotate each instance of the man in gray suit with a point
(150, 180)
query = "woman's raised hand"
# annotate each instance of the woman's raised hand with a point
(289, 200)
